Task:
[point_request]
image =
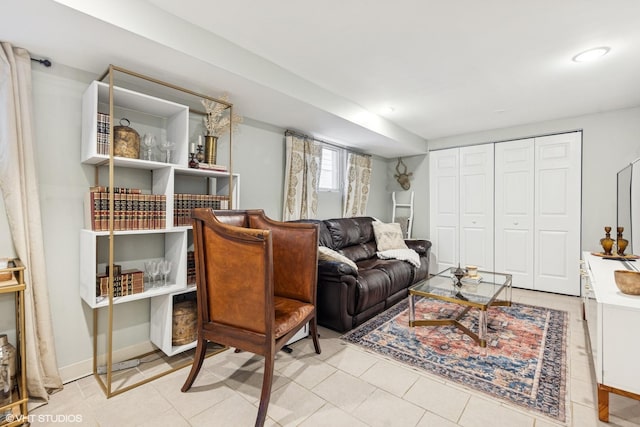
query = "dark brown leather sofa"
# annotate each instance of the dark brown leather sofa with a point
(348, 298)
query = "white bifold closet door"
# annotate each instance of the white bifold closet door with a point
(461, 206)
(557, 225)
(514, 210)
(537, 212)
(476, 206)
(444, 202)
(511, 207)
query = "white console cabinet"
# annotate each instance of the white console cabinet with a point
(612, 318)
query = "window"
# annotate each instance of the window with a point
(330, 170)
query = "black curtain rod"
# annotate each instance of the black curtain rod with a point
(44, 62)
(332, 144)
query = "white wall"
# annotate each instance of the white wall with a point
(258, 156)
(418, 166)
(610, 141)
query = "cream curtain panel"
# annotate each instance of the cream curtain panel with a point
(358, 181)
(302, 177)
(19, 186)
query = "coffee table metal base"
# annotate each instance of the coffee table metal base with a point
(479, 338)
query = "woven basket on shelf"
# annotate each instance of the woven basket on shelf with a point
(185, 320)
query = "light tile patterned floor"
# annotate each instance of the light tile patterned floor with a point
(344, 386)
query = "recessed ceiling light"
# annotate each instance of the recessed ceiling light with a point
(591, 54)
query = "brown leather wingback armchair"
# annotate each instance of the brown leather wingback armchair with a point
(256, 286)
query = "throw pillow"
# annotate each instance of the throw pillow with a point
(388, 236)
(326, 254)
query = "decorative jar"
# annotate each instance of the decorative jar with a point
(607, 241)
(126, 140)
(8, 357)
(5, 391)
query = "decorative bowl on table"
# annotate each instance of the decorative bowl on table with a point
(628, 281)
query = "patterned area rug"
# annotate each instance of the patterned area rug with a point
(525, 360)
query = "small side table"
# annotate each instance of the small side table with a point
(18, 414)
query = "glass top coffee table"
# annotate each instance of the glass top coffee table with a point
(487, 289)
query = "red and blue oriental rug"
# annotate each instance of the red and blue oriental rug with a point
(524, 363)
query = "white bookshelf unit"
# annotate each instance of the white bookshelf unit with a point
(167, 121)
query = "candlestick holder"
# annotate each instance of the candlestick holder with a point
(193, 164)
(200, 154)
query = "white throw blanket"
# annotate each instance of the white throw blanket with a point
(408, 255)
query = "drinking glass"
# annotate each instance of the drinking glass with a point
(167, 146)
(155, 271)
(148, 271)
(165, 269)
(148, 141)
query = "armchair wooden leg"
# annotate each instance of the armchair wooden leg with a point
(198, 358)
(314, 335)
(265, 395)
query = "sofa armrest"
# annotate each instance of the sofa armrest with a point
(336, 268)
(418, 245)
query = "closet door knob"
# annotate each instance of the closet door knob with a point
(515, 222)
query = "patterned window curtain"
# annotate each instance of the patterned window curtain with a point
(358, 179)
(302, 177)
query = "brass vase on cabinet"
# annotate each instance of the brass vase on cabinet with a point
(622, 243)
(210, 148)
(607, 241)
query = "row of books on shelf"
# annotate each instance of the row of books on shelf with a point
(128, 282)
(191, 268)
(103, 133)
(132, 210)
(183, 203)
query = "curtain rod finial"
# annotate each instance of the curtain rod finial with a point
(44, 62)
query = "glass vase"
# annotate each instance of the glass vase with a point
(607, 241)
(622, 243)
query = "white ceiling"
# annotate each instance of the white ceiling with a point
(334, 68)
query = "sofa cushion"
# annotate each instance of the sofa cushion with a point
(372, 288)
(326, 254)
(388, 236)
(349, 231)
(400, 273)
(360, 252)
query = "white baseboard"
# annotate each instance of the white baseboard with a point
(84, 368)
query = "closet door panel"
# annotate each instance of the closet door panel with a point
(476, 206)
(557, 220)
(444, 207)
(514, 210)
(447, 255)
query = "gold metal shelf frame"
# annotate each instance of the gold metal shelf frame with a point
(110, 74)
